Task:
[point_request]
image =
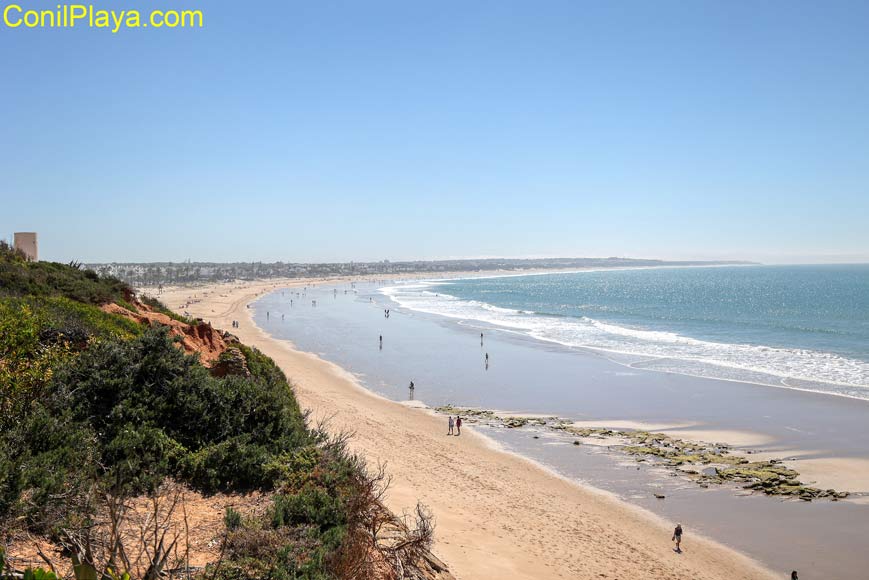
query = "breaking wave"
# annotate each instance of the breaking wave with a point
(651, 349)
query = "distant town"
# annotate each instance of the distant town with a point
(170, 273)
(155, 274)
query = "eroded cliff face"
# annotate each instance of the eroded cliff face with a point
(200, 337)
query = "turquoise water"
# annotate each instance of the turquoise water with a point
(794, 326)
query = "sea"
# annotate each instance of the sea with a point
(804, 327)
(781, 352)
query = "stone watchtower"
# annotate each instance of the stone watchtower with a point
(26, 242)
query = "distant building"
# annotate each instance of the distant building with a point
(26, 242)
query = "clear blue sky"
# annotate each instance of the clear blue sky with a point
(308, 131)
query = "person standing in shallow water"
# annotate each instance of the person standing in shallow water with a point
(677, 537)
(458, 426)
(411, 390)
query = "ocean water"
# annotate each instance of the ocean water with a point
(558, 345)
(804, 327)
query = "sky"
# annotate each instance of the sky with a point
(370, 130)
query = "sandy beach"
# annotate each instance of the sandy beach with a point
(497, 514)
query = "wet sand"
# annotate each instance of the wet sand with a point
(498, 515)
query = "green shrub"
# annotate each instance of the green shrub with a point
(232, 519)
(140, 457)
(311, 505)
(39, 574)
(291, 470)
(49, 459)
(68, 317)
(262, 367)
(10, 478)
(26, 365)
(235, 464)
(217, 433)
(23, 278)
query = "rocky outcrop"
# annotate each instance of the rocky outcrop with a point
(230, 338)
(230, 362)
(705, 463)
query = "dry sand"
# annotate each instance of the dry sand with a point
(497, 515)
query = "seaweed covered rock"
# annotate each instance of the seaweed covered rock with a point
(706, 463)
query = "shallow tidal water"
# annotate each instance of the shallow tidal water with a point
(444, 358)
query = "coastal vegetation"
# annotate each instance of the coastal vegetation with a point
(107, 424)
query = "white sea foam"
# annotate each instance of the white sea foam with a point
(657, 350)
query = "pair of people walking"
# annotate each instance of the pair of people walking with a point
(455, 426)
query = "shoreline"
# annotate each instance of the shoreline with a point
(777, 381)
(498, 514)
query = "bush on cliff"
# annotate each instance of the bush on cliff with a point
(157, 412)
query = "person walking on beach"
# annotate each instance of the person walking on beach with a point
(452, 425)
(677, 537)
(458, 425)
(794, 575)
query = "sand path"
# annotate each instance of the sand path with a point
(497, 514)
